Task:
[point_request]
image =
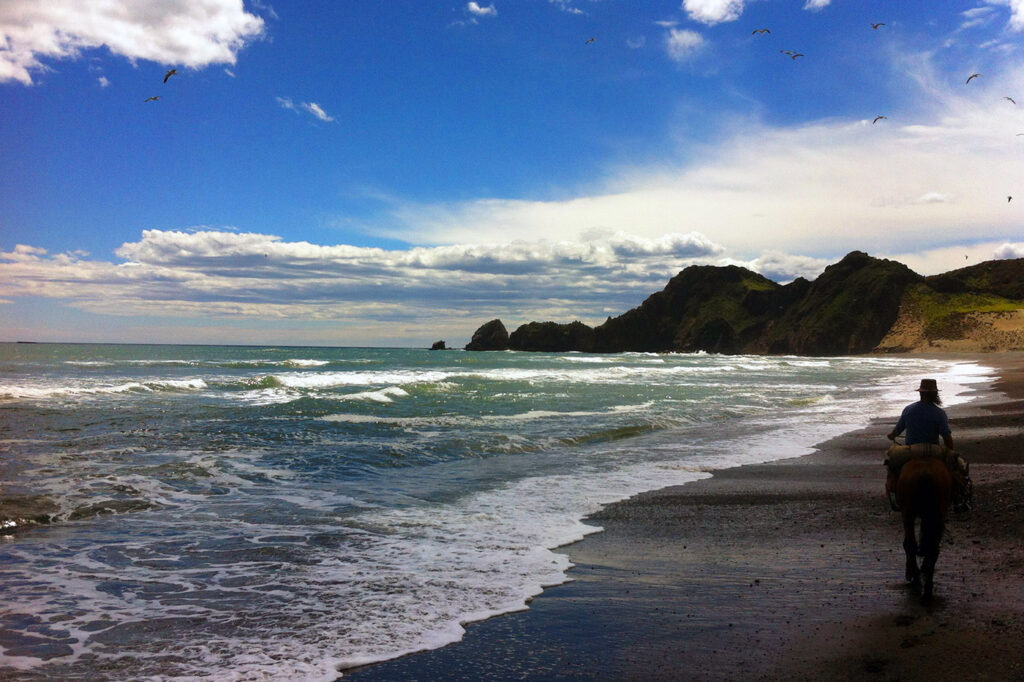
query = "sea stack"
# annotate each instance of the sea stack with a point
(490, 336)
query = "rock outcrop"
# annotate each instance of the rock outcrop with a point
(858, 305)
(490, 336)
(438, 345)
(552, 337)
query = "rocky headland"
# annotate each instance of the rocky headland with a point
(859, 305)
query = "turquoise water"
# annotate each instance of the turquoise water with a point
(269, 513)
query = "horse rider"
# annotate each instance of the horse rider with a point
(925, 423)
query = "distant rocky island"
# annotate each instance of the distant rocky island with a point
(859, 305)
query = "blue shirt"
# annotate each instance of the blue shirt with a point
(924, 422)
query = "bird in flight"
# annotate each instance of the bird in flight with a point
(875, 26)
(1009, 199)
(877, 119)
(1011, 99)
(760, 31)
(795, 55)
(590, 41)
(172, 72)
(791, 52)
(973, 76)
(154, 98)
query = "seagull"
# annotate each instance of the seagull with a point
(973, 76)
(172, 72)
(875, 26)
(787, 51)
(877, 119)
(152, 99)
(1011, 99)
(760, 31)
(794, 56)
(590, 41)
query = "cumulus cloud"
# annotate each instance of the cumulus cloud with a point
(682, 44)
(815, 5)
(193, 33)
(215, 273)
(713, 11)
(784, 267)
(103, 81)
(1009, 250)
(478, 11)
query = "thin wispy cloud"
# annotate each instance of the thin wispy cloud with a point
(193, 33)
(304, 107)
(1016, 12)
(317, 110)
(815, 5)
(938, 172)
(567, 6)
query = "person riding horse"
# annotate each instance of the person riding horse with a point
(925, 423)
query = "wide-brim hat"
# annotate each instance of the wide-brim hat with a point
(928, 386)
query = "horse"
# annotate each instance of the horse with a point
(923, 491)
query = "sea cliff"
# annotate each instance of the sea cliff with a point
(859, 305)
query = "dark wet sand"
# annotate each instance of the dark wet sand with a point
(784, 571)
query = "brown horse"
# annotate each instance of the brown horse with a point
(923, 491)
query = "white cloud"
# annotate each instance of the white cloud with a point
(934, 198)
(1009, 250)
(193, 33)
(713, 11)
(317, 110)
(682, 44)
(783, 267)
(939, 178)
(103, 81)
(636, 43)
(1016, 12)
(477, 10)
(219, 274)
(566, 6)
(309, 107)
(815, 5)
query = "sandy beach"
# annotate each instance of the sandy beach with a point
(780, 571)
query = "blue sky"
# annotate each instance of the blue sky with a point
(368, 173)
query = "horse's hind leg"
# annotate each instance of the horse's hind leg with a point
(931, 538)
(913, 574)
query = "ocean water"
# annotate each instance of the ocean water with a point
(284, 513)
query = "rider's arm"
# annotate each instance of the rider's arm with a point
(947, 440)
(896, 430)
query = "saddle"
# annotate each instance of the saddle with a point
(898, 455)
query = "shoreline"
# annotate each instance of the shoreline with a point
(784, 570)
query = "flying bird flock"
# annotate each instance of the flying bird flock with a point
(156, 98)
(793, 54)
